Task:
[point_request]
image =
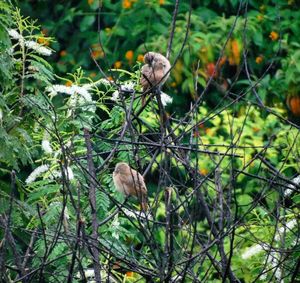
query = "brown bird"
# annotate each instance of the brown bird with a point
(130, 182)
(154, 72)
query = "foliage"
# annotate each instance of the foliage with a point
(233, 155)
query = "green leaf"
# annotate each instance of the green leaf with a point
(86, 23)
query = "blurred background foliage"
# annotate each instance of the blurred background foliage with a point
(118, 33)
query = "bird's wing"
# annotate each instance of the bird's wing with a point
(150, 75)
(135, 184)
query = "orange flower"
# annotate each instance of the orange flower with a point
(129, 55)
(118, 64)
(211, 70)
(203, 171)
(127, 4)
(129, 274)
(274, 35)
(93, 74)
(90, 2)
(235, 51)
(209, 132)
(293, 102)
(63, 53)
(161, 2)
(97, 54)
(140, 58)
(43, 41)
(222, 61)
(259, 59)
(110, 78)
(68, 83)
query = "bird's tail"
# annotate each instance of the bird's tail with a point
(144, 202)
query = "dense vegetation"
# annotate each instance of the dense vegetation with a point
(221, 161)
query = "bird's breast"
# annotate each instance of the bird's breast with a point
(118, 183)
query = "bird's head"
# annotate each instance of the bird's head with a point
(121, 167)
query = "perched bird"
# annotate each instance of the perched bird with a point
(154, 72)
(131, 183)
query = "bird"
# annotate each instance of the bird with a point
(131, 183)
(155, 72)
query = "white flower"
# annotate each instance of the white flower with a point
(137, 214)
(89, 273)
(70, 173)
(274, 258)
(252, 251)
(1, 115)
(296, 180)
(79, 96)
(77, 100)
(165, 99)
(54, 89)
(66, 214)
(82, 91)
(36, 173)
(115, 95)
(290, 225)
(99, 82)
(128, 86)
(38, 48)
(14, 34)
(57, 174)
(46, 146)
(71, 90)
(105, 82)
(115, 226)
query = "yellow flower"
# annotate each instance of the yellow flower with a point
(259, 59)
(173, 84)
(260, 17)
(274, 35)
(108, 30)
(63, 53)
(129, 55)
(127, 4)
(90, 2)
(140, 58)
(203, 171)
(97, 51)
(118, 64)
(262, 8)
(209, 132)
(161, 2)
(68, 83)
